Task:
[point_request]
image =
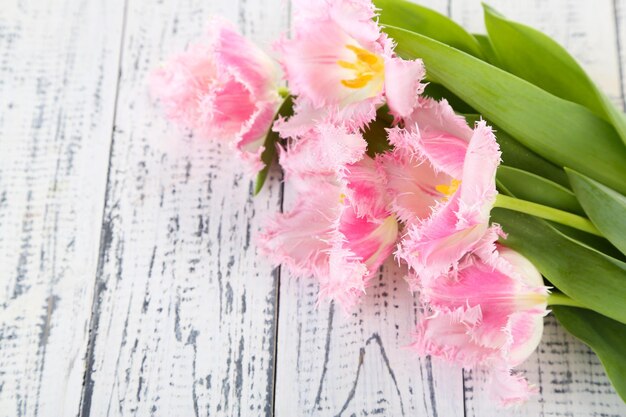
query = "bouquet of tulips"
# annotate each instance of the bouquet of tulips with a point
(490, 165)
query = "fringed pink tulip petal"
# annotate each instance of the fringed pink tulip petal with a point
(405, 143)
(478, 188)
(223, 88)
(444, 136)
(489, 314)
(413, 187)
(306, 117)
(299, 239)
(460, 219)
(509, 389)
(345, 281)
(412, 181)
(243, 59)
(437, 117)
(512, 302)
(525, 330)
(437, 246)
(184, 82)
(310, 63)
(250, 146)
(328, 61)
(356, 17)
(370, 239)
(335, 60)
(323, 236)
(303, 121)
(403, 84)
(447, 335)
(325, 150)
(445, 153)
(360, 247)
(366, 188)
(525, 326)
(358, 115)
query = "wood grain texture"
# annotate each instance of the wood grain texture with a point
(619, 10)
(185, 312)
(58, 77)
(571, 379)
(331, 363)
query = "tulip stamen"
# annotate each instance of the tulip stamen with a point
(366, 67)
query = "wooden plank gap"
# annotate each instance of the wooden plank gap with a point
(620, 55)
(105, 240)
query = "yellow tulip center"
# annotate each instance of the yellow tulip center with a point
(448, 189)
(366, 67)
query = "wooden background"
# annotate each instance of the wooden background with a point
(129, 280)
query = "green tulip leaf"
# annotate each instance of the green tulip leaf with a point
(428, 22)
(606, 337)
(502, 189)
(582, 273)
(438, 92)
(539, 190)
(596, 242)
(563, 132)
(375, 134)
(531, 187)
(271, 140)
(516, 155)
(485, 45)
(537, 58)
(605, 207)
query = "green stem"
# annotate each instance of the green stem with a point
(560, 299)
(269, 153)
(548, 213)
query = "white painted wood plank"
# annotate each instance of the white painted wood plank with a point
(570, 377)
(333, 364)
(620, 23)
(184, 323)
(58, 77)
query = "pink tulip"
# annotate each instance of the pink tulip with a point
(340, 241)
(323, 237)
(222, 87)
(442, 178)
(342, 67)
(299, 239)
(488, 313)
